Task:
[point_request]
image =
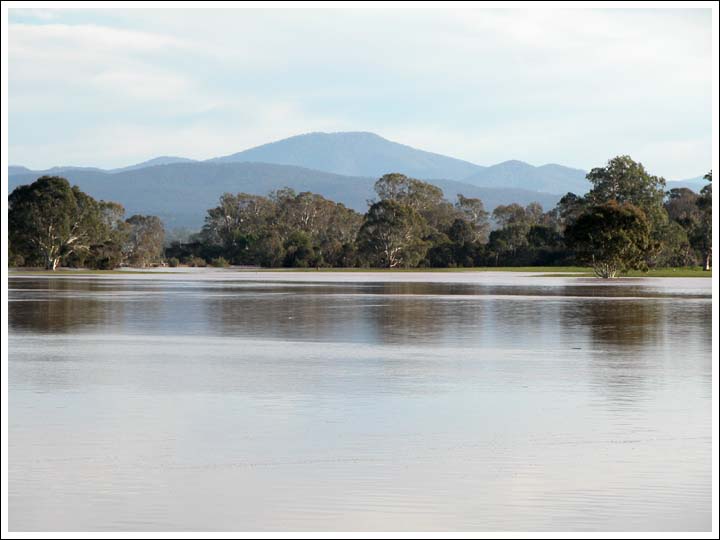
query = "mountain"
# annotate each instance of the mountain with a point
(59, 170)
(162, 160)
(339, 166)
(17, 169)
(367, 154)
(696, 184)
(181, 193)
(518, 174)
(354, 154)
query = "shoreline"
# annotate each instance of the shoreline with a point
(536, 271)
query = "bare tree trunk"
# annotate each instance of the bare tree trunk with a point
(604, 270)
(708, 260)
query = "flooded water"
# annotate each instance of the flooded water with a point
(220, 400)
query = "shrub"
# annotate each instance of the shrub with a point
(196, 262)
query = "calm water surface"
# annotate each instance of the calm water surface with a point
(220, 400)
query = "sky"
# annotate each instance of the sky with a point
(112, 87)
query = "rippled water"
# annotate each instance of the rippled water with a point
(219, 400)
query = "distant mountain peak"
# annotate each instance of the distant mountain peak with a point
(341, 165)
(354, 153)
(181, 193)
(518, 174)
(160, 160)
(513, 163)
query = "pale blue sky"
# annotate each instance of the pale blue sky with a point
(113, 87)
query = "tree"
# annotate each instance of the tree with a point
(505, 243)
(509, 214)
(613, 237)
(509, 242)
(426, 199)
(545, 241)
(514, 214)
(703, 236)
(329, 226)
(249, 229)
(104, 256)
(681, 206)
(299, 251)
(534, 213)
(465, 244)
(111, 235)
(392, 235)
(473, 211)
(676, 248)
(236, 224)
(416, 194)
(626, 181)
(569, 208)
(146, 236)
(682, 236)
(49, 220)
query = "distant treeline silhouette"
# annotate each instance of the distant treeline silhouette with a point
(626, 221)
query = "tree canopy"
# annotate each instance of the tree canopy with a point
(52, 223)
(49, 220)
(625, 221)
(392, 235)
(612, 237)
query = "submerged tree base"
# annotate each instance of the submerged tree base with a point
(605, 271)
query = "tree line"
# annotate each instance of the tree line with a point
(627, 220)
(51, 223)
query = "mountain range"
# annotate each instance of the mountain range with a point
(340, 166)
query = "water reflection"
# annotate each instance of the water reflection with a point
(427, 405)
(59, 306)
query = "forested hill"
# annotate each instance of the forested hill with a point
(181, 193)
(339, 166)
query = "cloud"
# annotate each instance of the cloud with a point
(220, 130)
(35, 13)
(568, 86)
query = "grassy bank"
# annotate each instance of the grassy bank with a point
(672, 272)
(83, 272)
(563, 269)
(548, 271)
(544, 271)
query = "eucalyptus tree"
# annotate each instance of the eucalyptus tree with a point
(392, 235)
(425, 198)
(569, 208)
(704, 231)
(238, 224)
(49, 220)
(330, 228)
(681, 205)
(681, 230)
(146, 237)
(626, 181)
(612, 237)
(473, 211)
(516, 222)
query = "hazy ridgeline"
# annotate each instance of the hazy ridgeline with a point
(626, 221)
